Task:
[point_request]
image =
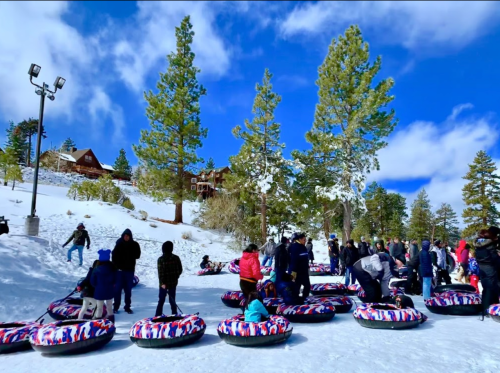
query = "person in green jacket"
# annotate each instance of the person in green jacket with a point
(79, 236)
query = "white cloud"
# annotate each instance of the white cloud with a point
(438, 152)
(413, 24)
(293, 82)
(101, 108)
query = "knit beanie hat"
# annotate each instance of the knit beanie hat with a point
(167, 247)
(104, 255)
(332, 236)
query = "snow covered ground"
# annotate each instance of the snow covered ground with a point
(34, 272)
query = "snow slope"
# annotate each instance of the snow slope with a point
(34, 272)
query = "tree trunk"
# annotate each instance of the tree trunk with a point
(326, 221)
(263, 214)
(178, 212)
(346, 231)
(13, 184)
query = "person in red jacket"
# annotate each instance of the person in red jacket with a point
(250, 270)
(462, 271)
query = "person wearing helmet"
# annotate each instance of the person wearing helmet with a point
(333, 253)
(79, 236)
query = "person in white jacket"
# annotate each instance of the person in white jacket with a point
(373, 274)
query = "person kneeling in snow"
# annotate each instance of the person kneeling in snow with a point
(87, 292)
(255, 310)
(79, 236)
(373, 274)
(103, 280)
(169, 271)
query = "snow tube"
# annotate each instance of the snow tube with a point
(69, 308)
(403, 272)
(394, 291)
(398, 283)
(234, 266)
(266, 270)
(353, 289)
(493, 311)
(167, 331)
(236, 331)
(454, 287)
(328, 289)
(307, 313)
(14, 336)
(455, 303)
(72, 336)
(387, 316)
(135, 281)
(318, 270)
(453, 264)
(209, 271)
(341, 303)
(232, 298)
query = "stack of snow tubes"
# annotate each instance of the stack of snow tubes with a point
(209, 271)
(319, 269)
(234, 267)
(313, 311)
(167, 331)
(72, 336)
(387, 316)
(328, 289)
(236, 331)
(454, 303)
(232, 298)
(494, 312)
(14, 336)
(69, 308)
(341, 303)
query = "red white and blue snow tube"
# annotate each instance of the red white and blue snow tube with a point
(307, 313)
(135, 281)
(72, 336)
(232, 298)
(69, 308)
(167, 331)
(455, 303)
(236, 331)
(394, 292)
(234, 266)
(209, 271)
(319, 269)
(494, 312)
(387, 316)
(353, 289)
(328, 289)
(341, 303)
(14, 336)
(266, 270)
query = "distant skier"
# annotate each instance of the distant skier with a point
(79, 236)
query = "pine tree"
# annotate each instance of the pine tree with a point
(446, 223)
(137, 173)
(122, 166)
(67, 145)
(30, 128)
(168, 150)
(420, 225)
(259, 167)
(16, 140)
(481, 194)
(7, 159)
(350, 122)
(210, 164)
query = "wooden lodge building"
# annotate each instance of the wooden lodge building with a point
(206, 183)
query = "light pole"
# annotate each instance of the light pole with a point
(32, 223)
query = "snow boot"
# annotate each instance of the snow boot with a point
(129, 311)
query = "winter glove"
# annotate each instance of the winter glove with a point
(294, 275)
(64, 246)
(88, 247)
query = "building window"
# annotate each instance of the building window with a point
(218, 175)
(193, 180)
(88, 158)
(193, 187)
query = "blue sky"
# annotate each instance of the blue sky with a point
(443, 56)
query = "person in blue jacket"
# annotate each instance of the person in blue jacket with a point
(299, 265)
(103, 280)
(426, 268)
(255, 310)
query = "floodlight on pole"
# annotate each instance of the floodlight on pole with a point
(34, 70)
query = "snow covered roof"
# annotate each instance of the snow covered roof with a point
(107, 167)
(67, 157)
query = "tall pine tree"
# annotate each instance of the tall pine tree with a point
(210, 164)
(16, 141)
(420, 225)
(350, 122)
(122, 166)
(67, 145)
(168, 150)
(259, 167)
(481, 194)
(30, 128)
(446, 223)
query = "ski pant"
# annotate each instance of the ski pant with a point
(334, 261)
(124, 281)
(372, 288)
(426, 287)
(80, 252)
(442, 274)
(100, 308)
(87, 303)
(349, 275)
(171, 299)
(411, 279)
(267, 258)
(489, 281)
(246, 288)
(474, 281)
(462, 271)
(302, 281)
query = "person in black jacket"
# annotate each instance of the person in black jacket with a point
(487, 257)
(169, 271)
(124, 256)
(299, 265)
(363, 248)
(350, 256)
(333, 253)
(413, 286)
(397, 250)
